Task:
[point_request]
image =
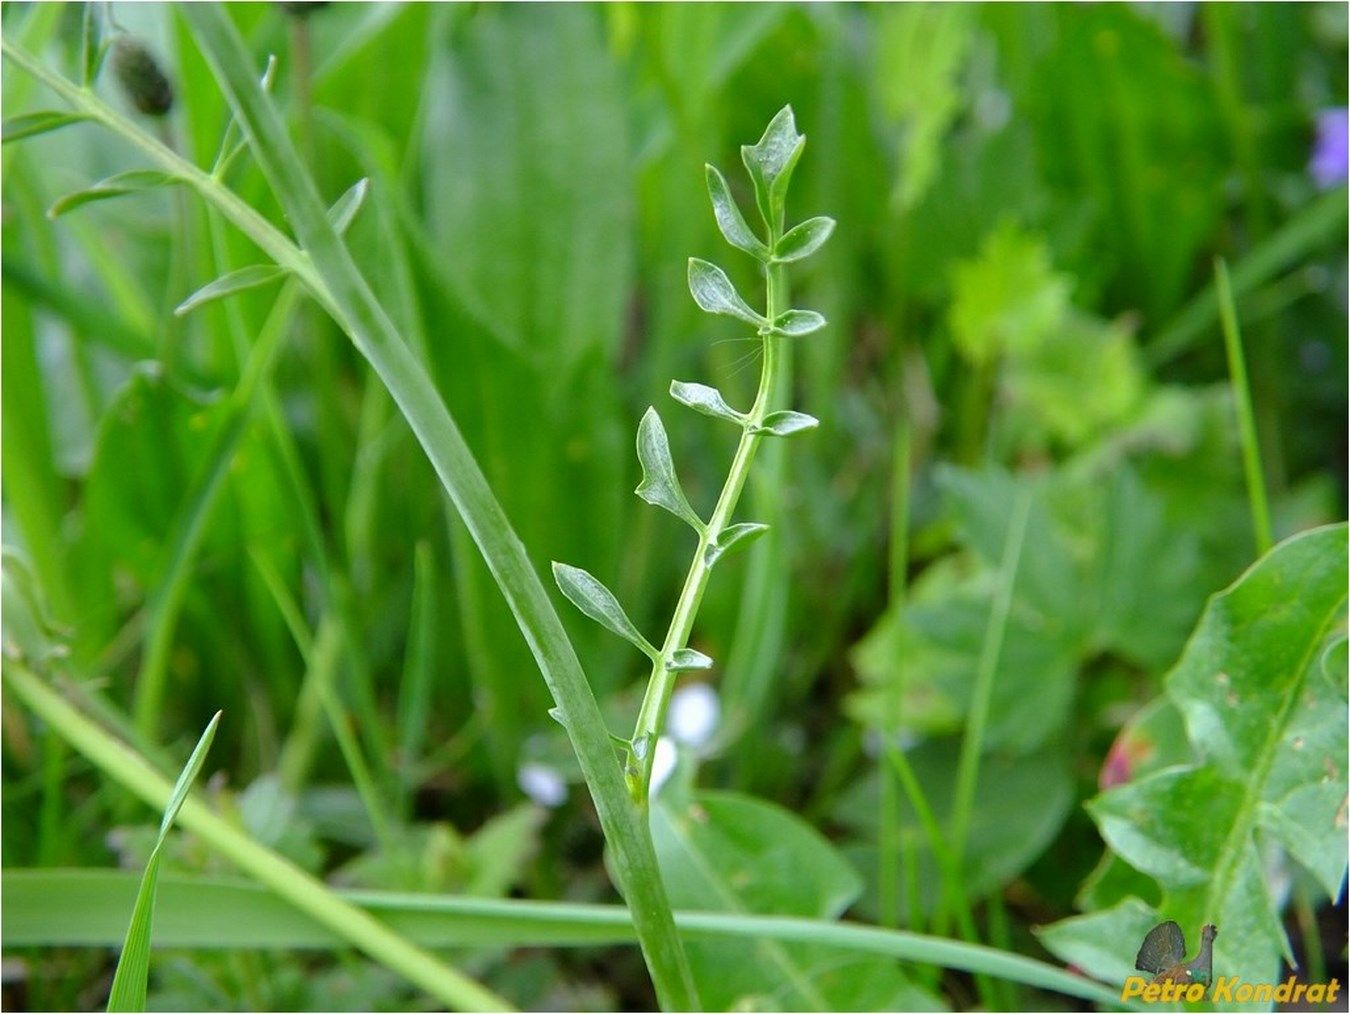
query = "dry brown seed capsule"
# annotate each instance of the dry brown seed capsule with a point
(138, 73)
(301, 8)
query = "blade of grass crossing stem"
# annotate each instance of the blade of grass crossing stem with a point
(347, 922)
(133, 967)
(1242, 404)
(249, 917)
(327, 267)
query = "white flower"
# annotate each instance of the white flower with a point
(694, 714)
(663, 763)
(543, 784)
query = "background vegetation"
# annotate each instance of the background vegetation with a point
(1028, 477)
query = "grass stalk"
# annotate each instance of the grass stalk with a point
(1242, 404)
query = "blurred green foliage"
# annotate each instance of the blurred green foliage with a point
(1029, 201)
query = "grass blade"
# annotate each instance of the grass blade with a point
(133, 967)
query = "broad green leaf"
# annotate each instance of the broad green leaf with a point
(660, 486)
(733, 537)
(705, 399)
(595, 600)
(1267, 724)
(686, 659)
(729, 218)
(16, 128)
(133, 966)
(527, 176)
(726, 852)
(798, 323)
(240, 280)
(803, 239)
(134, 181)
(770, 162)
(712, 291)
(785, 423)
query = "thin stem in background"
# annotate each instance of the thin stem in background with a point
(1242, 404)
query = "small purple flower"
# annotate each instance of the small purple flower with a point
(1330, 162)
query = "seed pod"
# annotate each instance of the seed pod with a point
(138, 73)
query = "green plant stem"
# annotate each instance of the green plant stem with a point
(287, 880)
(652, 714)
(327, 270)
(1242, 404)
(972, 744)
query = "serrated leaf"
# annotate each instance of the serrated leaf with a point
(785, 424)
(135, 181)
(240, 280)
(733, 537)
(16, 128)
(798, 323)
(803, 239)
(686, 659)
(660, 486)
(1267, 723)
(713, 292)
(586, 592)
(133, 965)
(770, 162)
(705, 399)
(729, 218)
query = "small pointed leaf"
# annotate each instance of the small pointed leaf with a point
(344, 209)
(770, 162)
(16, 128)
(713, 292)
(686, 659)
(785, 424)
(729, 218)
(586, 592)
(733, 537)
(660, 486)
(135, 181)
(227, 285)
(705, 399)
(798, 323)
(803, 239)
(557, 715)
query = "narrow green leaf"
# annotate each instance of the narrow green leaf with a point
(729, 218)
(785, 424)
(660, 486)
(133, 966)
(713, 292)
(803, 239)
(16, 128)
(798, 323)
(135, 181)
(734, 537)
(586, 592)
(240, 280)
(686, 659)
(341, 214)
(705, 399)
(344, 209)
(185, 779)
